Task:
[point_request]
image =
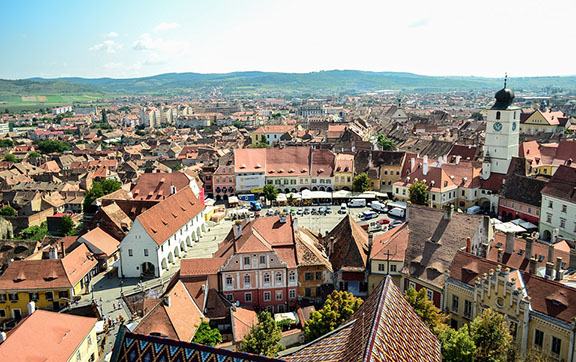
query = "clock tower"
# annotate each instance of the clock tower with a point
(502, 134)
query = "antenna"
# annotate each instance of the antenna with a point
(505, 79)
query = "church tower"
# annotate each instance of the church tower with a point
(502, 134)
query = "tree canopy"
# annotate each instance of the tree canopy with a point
(264, 337)
(457, 345)
(10, 158)
(6, 142)
(206, 335)
(338, 307)
(36, 232)
(385, 143)
(52, 146)
(7, 211)
(34, 154)
(270, 192)
(66, 225)
(361, 183)
(424, 307)
(99, 189)
(491, 336)
(418, 192)
(259, 144)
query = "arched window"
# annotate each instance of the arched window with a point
(498, 115)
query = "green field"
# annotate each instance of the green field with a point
(17, 104)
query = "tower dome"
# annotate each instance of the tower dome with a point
(504, 97)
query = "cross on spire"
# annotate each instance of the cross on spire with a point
(505, 79)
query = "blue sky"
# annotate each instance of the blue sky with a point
(140, 38)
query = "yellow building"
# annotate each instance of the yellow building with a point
(49, 336)
(344, 172)
(539, 311)
(383, 168)
(314, 269)
(387, 256)
(49, 283)
(544, 122)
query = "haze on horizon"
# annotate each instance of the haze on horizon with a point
(143, 38)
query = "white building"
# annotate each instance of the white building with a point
(502, 134)
(558, 208)
(161, 235)
(60, 110)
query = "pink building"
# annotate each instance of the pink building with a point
(224, 179)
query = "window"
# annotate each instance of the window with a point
(49, 296)
(281, 308)
(308, 276)
(13, 297)
(548, 218)
(564, 208)
(538, 338)
(278, 278)
(556, 344)
(498, 115)
(248, 297)
(78, 356)
(307, 292)
(229, 281)
(292, 293)
(89, 340)
(63, 294)
(130, 252)
(2, 298)
(279, 295)
(411, 285)
(92, 358)
(393, 267)
(34, 297)
(454, 323)
(463, 193)
(262, 259)
(292, 277)
(246, 261)
(2, 313)
(467, 308)
(562, 223)
(267, 296)
(246, 280)
(429, 294)
(318, 275)
(145, 252)
(513, 329)
(230, 297)
(381, 267)
(455, 301)
(550, 204)
(318, 291)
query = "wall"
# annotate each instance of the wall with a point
(24, 299)
(87, 348)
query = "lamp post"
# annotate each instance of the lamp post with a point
(121, 287)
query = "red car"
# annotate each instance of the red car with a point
(383, 221)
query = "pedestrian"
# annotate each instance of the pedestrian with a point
(120, 305)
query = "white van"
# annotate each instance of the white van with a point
(473, 210)
(357, 203)
(343, 209)
(398, 212)
(378, 206)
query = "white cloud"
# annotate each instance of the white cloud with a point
(166, 26)
(112, 65)
(112, 34)
(109, 46)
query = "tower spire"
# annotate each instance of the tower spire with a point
(505, 79)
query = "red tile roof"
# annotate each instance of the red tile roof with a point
(562, 185)
(100, 239)
(200, 266)
(157, 186)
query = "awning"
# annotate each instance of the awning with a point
(509, 227)
(281, 197)
(233, 200)
(287, 315)
(99, 327)
(321, 195)
(342, 194)
(525, 224)
(306, 194)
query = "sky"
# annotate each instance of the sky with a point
(124, 38)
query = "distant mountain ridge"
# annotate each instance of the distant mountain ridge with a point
(255, 82)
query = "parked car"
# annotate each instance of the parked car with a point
(367, 215)
(286, 211)
(398, 212)
(270, 212)
(383, 221)
(300, 211)
(328, 210)
(343, 209)
(314, 212)
(306, 211)
(321, 210)
(357, 203)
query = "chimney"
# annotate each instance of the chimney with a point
(370, 163)
(53, 253)
(549, 269)
(370, 240)
(458, 157)
(331, 247)
(62, 249)
(529, 248)
(468, 245)
(448, 210)
(500, 253)
(237, 229)
(551, 253)
(510, 237)
(31, 307)
(425, 166)
(295, 224)
(2, 336)
(172, 189)
(412, 164)
(558, 269)
(167, 300)
(554, 236)
(282, 218)
(532, 266)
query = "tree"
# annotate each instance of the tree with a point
(270, 192)
(206, 335)
(259, 144)
(104, 116)
(477, 116)
(36, 232)
(491, 336)
(34, 155)
(10, 158)
(66, 225)
(53, 146)
(385, 143)
(425, 308)
(457, 345)
(290, 198)
(339, 306)
(99, 189)
(264, 338)
(6, 142)
(7, 211)
(238, 124)
(361, 183)
(418, 192)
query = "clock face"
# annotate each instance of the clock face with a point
(497, 126)
(513, 126)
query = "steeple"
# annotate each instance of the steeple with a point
(504, 97)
